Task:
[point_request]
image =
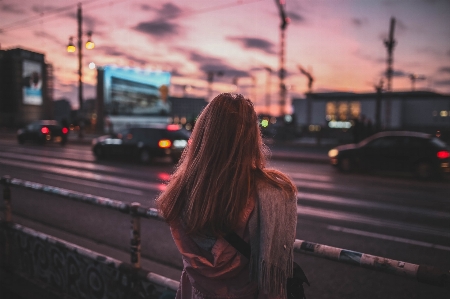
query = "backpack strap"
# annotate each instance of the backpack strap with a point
(238, 243)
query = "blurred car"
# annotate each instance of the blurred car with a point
(143, 143)
(421, 154)
(43, 131)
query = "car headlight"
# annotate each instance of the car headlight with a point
(333, 153)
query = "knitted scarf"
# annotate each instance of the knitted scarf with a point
(272, 233)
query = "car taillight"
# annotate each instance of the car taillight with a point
(164, 143)
(65, 130)
(173, 127)
(443, 154)
(45, 130)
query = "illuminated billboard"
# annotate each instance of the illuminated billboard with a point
(32, 82)
(135, 92)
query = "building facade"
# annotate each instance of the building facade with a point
(26, 87)
(335, 112)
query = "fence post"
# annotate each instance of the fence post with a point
(135, 243)
(7, 215)
(7, 199)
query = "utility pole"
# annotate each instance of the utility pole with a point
(80, 70)
(390, 44)
(211, 80)
(268, 84)
(282, 72)
(379, 90)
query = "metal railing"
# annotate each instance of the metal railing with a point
(422, 273)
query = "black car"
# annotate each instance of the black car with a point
(43, 131)
(421, 154)
(143, 143)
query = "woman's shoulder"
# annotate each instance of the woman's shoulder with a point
(274, 182)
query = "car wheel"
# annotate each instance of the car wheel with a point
(99, 152)
(144, 156)
(423, 170)
(63, 142)
(345, 165)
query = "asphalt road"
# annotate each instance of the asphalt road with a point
(390, 216)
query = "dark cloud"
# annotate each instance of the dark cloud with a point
(442, 82)
(254, 43)
(396, 73)
(444, 69)
(158, 28)
(169, 10)
(43, 8)
(295, 17)
(213, 64)
(146, 7)
(163, 26)
(358, 22)
(114, 51)
(399, 73)
(11, 8)
(429, 50)
(43, 34)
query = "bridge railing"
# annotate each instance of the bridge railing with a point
(132, 273)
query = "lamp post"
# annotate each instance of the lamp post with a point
(71, 48)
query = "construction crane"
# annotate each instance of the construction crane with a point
(308, 75)
(413, 77)
(390, 44)
(282, 72)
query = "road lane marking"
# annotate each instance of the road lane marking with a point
(357, 218)
(93, 184)
(312, 177)
(370, 204)
(88, 175)
(386, 237)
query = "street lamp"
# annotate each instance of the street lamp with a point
(71, 49)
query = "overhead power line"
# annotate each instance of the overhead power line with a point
(27, 22)
(44, 15)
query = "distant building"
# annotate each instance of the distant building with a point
(336, 111)
(186, 108)
(26, 87)
(62, 110)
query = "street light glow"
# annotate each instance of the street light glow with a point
(92, 65)
(90, 45)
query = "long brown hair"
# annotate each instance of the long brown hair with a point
(219, 168)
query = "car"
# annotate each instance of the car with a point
(423, 155)
(43, 131)
(143, 143)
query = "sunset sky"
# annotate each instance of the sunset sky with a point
(339, 41)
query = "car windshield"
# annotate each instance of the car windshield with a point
(439, 143)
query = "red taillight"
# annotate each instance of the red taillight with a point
(45, 130)
(164, 143)
(173, 127)
(443, 154)
(65, 130)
